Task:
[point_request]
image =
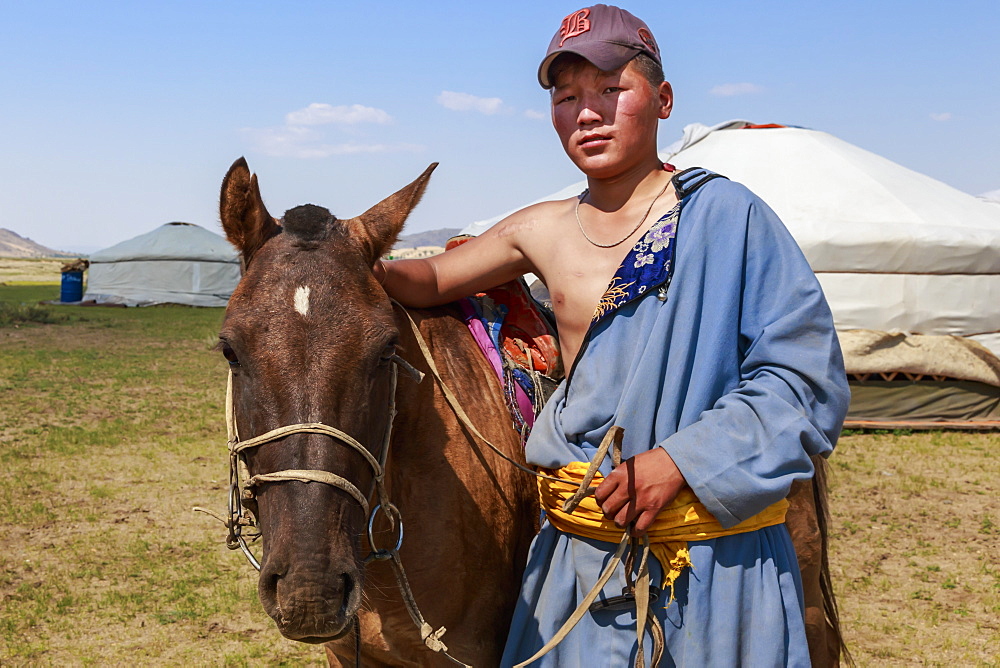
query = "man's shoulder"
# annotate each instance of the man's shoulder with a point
(735, 216)
(548, 209)
(724, 199)
(536, 219)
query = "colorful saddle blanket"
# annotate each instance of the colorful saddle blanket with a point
(519, 341)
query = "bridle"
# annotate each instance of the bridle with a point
(242, 493)
(242, 485)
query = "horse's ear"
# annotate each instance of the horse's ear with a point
(378, 227)
(245, 219)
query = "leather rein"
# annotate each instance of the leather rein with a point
(242, 485)
(242, 493)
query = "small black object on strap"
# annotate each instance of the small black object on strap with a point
(624, 601)
(692, 178)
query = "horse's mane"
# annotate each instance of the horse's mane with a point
(310, 223)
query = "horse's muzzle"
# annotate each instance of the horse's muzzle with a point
(311, 606)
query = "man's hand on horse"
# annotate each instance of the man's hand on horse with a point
(638, 489)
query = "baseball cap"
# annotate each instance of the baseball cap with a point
(607, 36)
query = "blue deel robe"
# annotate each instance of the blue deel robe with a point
(735, 371)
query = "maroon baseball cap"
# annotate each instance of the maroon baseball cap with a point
(607, 36)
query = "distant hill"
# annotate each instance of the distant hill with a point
(13, 244)
(430, 238)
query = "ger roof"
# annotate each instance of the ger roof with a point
(849, 209)
(173, 241)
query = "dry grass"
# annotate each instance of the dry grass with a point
(110, 431)
(31, 270)
(111, 428)
(916, 547)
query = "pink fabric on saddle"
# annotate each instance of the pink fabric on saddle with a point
(482, 339)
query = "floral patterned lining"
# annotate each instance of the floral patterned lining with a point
(648, 265)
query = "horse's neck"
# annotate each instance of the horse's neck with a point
(432, 432)
(455, 355)
(443, 479)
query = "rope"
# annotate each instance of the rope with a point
(457, 407)
(612, 441)
(325, 477)
(584, 606)
(613, 437)
(308, 428)
(432, 638)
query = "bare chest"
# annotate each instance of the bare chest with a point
(577, 271)
(577, 277)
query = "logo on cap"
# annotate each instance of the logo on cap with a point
(647, 39)
(574, 25)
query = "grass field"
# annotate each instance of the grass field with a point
(111, 429)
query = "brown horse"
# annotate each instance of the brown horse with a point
(311, 338)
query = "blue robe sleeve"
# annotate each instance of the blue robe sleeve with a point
(743, 454)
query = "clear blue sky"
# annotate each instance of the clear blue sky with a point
(118, 117)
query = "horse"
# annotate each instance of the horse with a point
(312, 338)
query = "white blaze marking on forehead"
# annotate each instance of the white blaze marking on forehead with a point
(302, 299)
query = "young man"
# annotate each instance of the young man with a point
(690, 319)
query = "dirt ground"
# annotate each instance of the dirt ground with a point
(111, 429)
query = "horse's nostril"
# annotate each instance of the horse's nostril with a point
(267, 589)
(271, 582)
(348, 590)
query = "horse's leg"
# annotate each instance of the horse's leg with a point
(807, 523)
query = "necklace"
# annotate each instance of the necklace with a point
(637, 226)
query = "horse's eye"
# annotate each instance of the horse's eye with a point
(388, 352)
(229, 354)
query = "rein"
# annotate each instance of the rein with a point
(241, 492)
(639, 589)
(242, 485)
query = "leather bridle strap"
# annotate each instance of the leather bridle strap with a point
(299, 475)
(238, 469)
(307, 428)
(237, 447)
(332, 479)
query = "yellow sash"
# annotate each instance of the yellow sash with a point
(682, 521)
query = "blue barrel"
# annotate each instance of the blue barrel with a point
(72, 286)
